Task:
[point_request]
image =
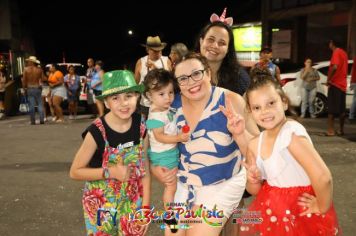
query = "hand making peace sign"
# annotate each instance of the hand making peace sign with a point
(235, 121)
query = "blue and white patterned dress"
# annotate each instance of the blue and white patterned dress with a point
(211, 156)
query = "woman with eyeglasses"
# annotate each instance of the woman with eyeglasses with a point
(210, 175)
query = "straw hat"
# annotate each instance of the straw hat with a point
(33, 59)
(154, 43)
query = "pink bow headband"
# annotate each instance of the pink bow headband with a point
(228, 21)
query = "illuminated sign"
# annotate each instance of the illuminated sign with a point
(248, 39)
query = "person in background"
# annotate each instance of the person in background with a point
(178, 51)
(87, 88)
(46, 97)
(31, 83)
(2, 92)
(336, 80)
(72, 84)
(266, 64)
(309, 75)
(96, 86)
(352, 115)
(153, 60)
(112, 160)
(58, 92)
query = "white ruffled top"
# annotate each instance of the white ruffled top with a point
(281, 169)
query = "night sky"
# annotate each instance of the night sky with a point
(81, 30)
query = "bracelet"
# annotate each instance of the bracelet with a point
(106, 173)
(146, 207)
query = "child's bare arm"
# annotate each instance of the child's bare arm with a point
(79, 169)
(254, 176)
(161, 137)
(319, 174)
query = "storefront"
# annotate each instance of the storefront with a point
(302, 28)
(247, 40)
(15, 45)
(12, 67)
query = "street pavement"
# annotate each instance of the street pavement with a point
(37, 197)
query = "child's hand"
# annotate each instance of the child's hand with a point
(183, 137)
(310, 203)
(254, 175)
(120, 172)
(150, 65)
(185, 129)
(235, 122)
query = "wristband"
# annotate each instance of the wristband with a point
(106, 173)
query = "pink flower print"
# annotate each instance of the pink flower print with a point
(129, 228)
(92, 201)
(115, 185)
(134, 189)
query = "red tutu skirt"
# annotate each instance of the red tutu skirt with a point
(275, 212)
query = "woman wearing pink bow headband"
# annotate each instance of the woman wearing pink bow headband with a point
(216, 43)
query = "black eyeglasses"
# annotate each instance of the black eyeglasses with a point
(195, 76)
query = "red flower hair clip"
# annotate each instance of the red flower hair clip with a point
(228, 21)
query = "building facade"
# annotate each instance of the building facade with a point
(297, 29)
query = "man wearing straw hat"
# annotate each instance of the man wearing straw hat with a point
(31, 83)
(152, 60)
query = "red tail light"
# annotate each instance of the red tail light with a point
(287, 80)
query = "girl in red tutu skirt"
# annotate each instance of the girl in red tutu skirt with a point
(292, 183)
